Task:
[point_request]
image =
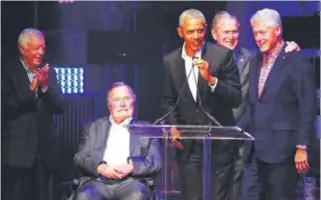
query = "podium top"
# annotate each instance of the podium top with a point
(191, 131)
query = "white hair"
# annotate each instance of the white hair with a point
(191, 14)
(269, 15)
(121, 84)
(26, 33)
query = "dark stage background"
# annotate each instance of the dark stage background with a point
(125, 41)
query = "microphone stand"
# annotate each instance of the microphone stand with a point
(161, 120)
(206, 148)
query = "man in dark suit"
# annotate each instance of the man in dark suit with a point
(116, 160)
(201, 79)
(225, 30)
(30, 97)
(280, 114)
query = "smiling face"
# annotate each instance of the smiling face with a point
(121, 103)
(226, 32)
(32, 50)
(266, 36)
(193, 33)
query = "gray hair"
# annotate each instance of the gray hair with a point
(191, 14)
(269, 15)
(120, 84)
(26, 33)
(222, 15)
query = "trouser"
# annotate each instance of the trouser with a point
(191, 176)
(35, 183)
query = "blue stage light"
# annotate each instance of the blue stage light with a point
(70, 79)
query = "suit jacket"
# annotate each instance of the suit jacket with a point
(219, 103)
(144, 152)
(284, 115)
(243, 63)
(28, 127)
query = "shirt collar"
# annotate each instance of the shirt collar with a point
(185, 56)
(24, 66)
(277, 51)
(124, 123)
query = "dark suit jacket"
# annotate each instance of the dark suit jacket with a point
(144, 152)
(284, 115)
(243, 63)
(219, 103)
(28, 127)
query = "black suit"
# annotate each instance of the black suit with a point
(219, 104)
(279, 120)
(28, 140)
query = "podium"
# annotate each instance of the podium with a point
(196, 132)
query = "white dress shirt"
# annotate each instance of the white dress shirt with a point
(118, 143)
(193, 77)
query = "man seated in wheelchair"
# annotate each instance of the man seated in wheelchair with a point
(117, 161)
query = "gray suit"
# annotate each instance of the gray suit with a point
(243, 66)
(243, 63)
(144, 153)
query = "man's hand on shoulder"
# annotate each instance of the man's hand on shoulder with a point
(291, 46)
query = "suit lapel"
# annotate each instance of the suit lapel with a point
(182, 76)
(274, 72)
(255, 66)
(201, 82)
(241, 64)
(242, 61)
(133, 141)
(103, 135)
(20, 74)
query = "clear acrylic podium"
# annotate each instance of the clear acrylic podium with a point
(198, 132)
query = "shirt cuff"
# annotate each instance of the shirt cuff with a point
(213, 86)
(43, 90)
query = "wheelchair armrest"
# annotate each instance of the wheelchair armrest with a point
(72, 182)
(150, 182)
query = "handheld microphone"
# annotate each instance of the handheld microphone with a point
(212, 118)
(177, 101)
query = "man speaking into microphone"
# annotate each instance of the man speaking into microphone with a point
(201, 86)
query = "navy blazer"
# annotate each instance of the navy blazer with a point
(28, 127)
(144, 152)
(284, 114)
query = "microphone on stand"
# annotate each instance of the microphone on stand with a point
(177, 101)
(212, 118)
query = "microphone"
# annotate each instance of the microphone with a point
(212, 118)
(178, 98)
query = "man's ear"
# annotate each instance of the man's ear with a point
(179, 31)
(214, 35)
(21, 49)
(278, 31)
